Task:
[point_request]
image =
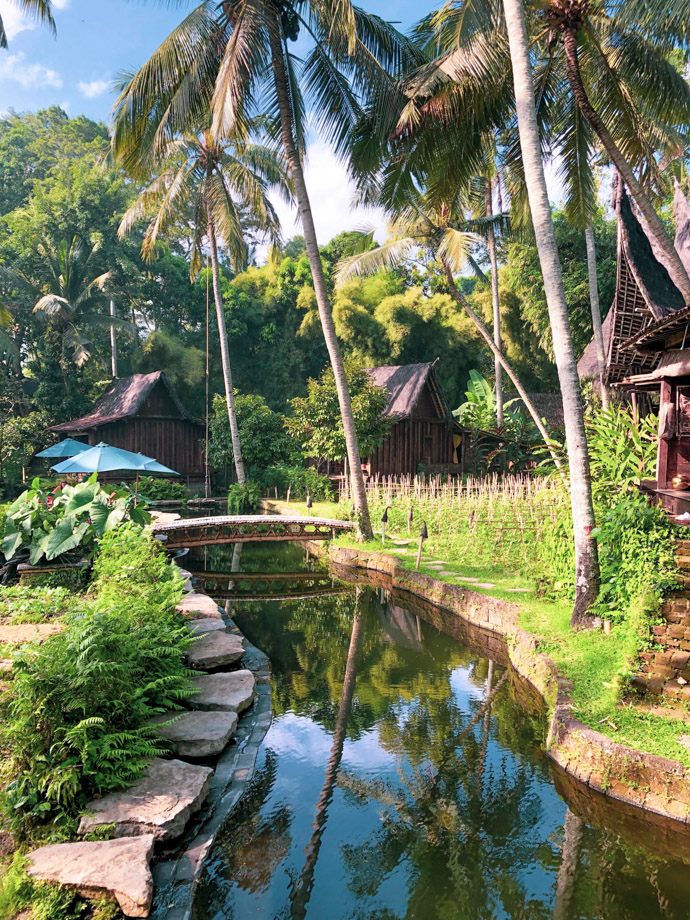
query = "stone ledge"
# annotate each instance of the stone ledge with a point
(656, 785)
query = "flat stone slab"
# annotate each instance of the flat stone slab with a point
(484, 584)
(466, 578)
(197, 734)
(519, 590)
(115, 868)
(198, 606)
(215, 649)
(205, 626)
(232, 692)
(160, 803)
(28, 632)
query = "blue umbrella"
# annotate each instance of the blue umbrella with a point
(101, 459)
(67, 448)
(153, 466)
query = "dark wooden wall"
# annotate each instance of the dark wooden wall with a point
(174, 442)
(411, 442)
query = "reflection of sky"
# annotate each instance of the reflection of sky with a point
(374, 863)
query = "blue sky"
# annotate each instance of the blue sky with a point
(98, 39)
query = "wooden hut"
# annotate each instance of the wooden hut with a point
(143, 413)
(648, 349)
(424, 433)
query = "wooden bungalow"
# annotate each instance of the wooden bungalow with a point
(424, 433)
(648, 342)
(143, 413)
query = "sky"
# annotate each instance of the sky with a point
(99, 39)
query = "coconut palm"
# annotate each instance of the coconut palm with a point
(39, 9)
(587, 578)
(597, 77)
(449, 237)
(234, 58)
(218, 189)
(69, 290)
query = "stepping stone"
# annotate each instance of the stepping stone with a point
(233, 692)
(484, 584)
(197, 734)
(28, 632)
(518, 590)
(115, 868)
(198, 627)
(198, 605)
(466, 578)
(215, 649)
(160, 803)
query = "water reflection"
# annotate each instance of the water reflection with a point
(403, 779)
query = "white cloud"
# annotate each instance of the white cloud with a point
(331, 193)
(93, 89)
(14, 67)
(15, 21)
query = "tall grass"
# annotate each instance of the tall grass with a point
(500, 521)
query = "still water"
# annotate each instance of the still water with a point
(403, 777)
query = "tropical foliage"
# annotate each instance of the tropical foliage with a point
(66, 522)
(74, 724)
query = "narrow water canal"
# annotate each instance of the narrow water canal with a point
(403, 777)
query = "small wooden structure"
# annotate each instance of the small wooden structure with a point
(649, 341)
(250, 528)
(424, 432)
(143, 413)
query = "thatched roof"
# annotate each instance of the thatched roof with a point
(588, 365)
(405, 384)
(548, 405)
(645, 292)
(123, 399)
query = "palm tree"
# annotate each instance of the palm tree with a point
(238, 60)
(217, 188)
(39, 9)
(587, 576)
(70, 292)
(599, 72)
(436, 229)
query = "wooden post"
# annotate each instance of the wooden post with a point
(665, 396)
(422, 537)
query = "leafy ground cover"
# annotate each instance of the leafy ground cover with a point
(73, 718)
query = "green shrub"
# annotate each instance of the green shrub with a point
(622, 450)
(298, 479)
(162, 490)
(244, 498)
(65, 522)
(31, 604)
(75, 719)
(636, 551)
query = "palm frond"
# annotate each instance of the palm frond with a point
(388, 256)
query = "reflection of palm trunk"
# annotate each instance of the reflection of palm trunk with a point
(301, 893)
(565, 885)
(485, 729)
(234, 567)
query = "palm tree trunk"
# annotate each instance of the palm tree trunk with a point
(587, 577)
(302, 890)
(596, 313)
(500, 357)
(225, 357)
(565, 884)
(297, 175)
(113, 342)
(572, 66)
(491, 243)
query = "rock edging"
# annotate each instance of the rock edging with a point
(657, 785)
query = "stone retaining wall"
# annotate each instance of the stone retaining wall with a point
(658, 786)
